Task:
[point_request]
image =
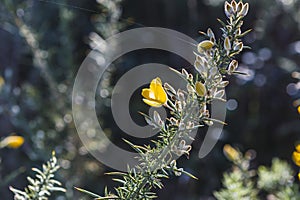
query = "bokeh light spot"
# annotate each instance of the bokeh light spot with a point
(291, 89)
(265, 54)
(249, 58)
(260, 80)
(232, 104)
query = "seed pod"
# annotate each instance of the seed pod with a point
(190, 89)
(234, 6)
(244, 10)
(156, 117)
(190, 77)
(202, 109)
(238, 46)
(185, 73)
(232, 66)
(198, 67)
(201, 68)
(161, 124)
(173, 163)
(213, 71)
(218, 78)
(200, 59)
(180, 95)
(190, 125)
(228, 9)
(169, 88)
(219, 94)
(227, 44)
(173, 121)
(181, 126)
(178, 106)
(200, 89)
(197, 64)
(213, 90)
(223, 84)
(239, 7)
(211, 35)
(149, 121)
(238, 31)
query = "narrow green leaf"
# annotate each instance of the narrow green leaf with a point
(88, 192)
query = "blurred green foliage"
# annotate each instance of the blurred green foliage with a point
(244, 182)
(42, 185)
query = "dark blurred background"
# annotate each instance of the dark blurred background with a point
(43, 43)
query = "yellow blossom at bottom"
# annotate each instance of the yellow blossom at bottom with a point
(200, 89)
(299, 176)
(12, 142)
(296, 158)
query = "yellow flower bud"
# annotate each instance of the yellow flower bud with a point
(227, 44)
(205, 45)
(296, 158)
(239, 6)
(231, 153)
(298, 148)
(155, 96)
(244, 10)
(200, 89)
(298, 109)
(299, 176)
(211, 35)
(232, 66)
(12, 142)
(233, 5)
(228, 9)
(238, 46)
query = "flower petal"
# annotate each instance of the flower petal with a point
(147, 93)
(160, 94)
(154, 83)
(155, 95)
(152, 103)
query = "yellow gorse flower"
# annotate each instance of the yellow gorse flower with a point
(12, 142)
(155, 96)
(296, 158)
(230, 152)
(296, 155)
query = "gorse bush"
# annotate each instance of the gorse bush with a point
(189, 109)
